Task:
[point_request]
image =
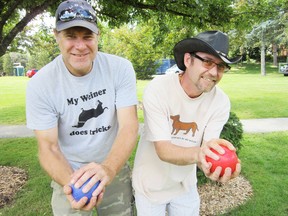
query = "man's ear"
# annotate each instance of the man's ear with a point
(187, 59)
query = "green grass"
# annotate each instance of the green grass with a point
(251, 95)
(35, 197)
(12, 100)
(255, 96)
(264, 163)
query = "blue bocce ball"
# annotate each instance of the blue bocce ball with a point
(78, 194)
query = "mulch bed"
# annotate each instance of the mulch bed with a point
(219, 198)
(12, 180)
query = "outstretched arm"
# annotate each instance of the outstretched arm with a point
(51, 158)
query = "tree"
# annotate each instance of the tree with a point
(41, 46)
(190, 16)
(203, 14)
(265, 34)
(136, 44)
(144, 43)
(11, 20)
(7, 64)
(261, 23)
(10, 58)
(1, 65)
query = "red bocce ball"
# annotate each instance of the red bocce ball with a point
(228, 159)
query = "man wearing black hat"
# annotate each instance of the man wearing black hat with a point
(184, 115)
(82, 107)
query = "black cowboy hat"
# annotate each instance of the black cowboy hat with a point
(213, 42)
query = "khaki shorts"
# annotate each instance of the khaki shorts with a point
(118, 199)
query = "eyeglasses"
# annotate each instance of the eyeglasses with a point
(76, 12)
(221, 68)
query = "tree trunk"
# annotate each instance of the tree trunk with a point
(263, 70)
(275, 54)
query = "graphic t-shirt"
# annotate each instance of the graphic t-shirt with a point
(170, 114)
(83, 108)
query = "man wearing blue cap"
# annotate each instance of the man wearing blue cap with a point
(184, 115)
(82, 107)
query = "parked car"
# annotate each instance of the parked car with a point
(173, 69)
(164, 65)
(284, 68)
(31, 73)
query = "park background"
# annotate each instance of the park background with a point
(145, 32)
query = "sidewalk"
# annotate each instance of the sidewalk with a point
(265, 125)
(249, 126)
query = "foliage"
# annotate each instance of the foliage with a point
(35, 44)
(135, 44)
(251, 15)
(42, 47)
(267, 32)
(233, 131)
(166, 23)
(15, 15)
(202, 13)
(7, 64)
(192, 15)
(10, 58)
(1, 64)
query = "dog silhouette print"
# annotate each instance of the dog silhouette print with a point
(187, 126)
(85, 115)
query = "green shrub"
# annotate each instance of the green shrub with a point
(233, 132)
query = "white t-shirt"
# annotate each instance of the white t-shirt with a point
(83, 108)
(170, 114)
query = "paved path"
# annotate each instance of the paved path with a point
(265, 125)
(249, 126)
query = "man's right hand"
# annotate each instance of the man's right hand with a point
(81, 204)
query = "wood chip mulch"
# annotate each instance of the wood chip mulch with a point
(12, 180)
(219, 198)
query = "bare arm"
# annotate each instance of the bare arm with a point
(177, 155)
(51, 158)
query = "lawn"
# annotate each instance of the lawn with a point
(264, 156)
(12, 100)
(264, 163)
(251, 95)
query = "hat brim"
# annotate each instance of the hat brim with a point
(81, 23)
(190, 45)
